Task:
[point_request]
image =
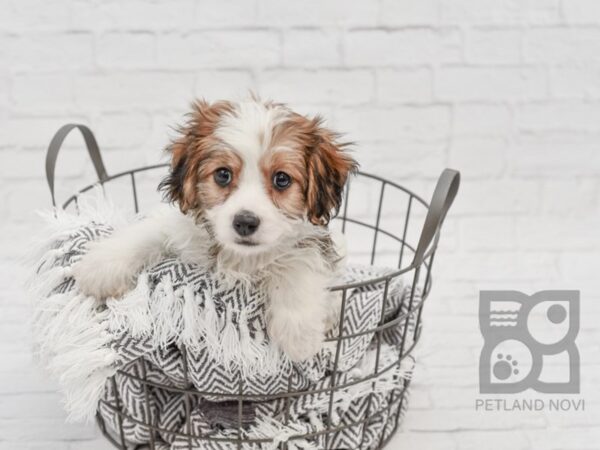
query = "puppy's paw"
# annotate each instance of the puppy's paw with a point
(299, 341)
(300, 349)
(101, 274)
(334, 309)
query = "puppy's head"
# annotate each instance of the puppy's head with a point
(255, 170)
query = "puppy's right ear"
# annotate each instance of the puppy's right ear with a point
(188, 151)
(179, 185)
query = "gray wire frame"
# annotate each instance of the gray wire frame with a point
(423, 254)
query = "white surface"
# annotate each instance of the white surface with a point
(508, 92)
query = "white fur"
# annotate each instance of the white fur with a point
(295, 278)
(248, 131)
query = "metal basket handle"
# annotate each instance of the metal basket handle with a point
(443, 196)
(55, 145)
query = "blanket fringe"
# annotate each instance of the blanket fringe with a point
(74, 334)
(72, 342)
(183, 317)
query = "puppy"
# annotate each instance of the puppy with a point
(256, 185)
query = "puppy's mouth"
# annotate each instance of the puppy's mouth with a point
(246, 243)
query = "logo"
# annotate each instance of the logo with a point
(529, 342)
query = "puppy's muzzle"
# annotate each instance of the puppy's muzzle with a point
(245, 223)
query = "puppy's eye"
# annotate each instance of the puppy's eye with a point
(281, 181)
(223, 176)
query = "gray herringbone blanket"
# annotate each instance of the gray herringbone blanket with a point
(184, 328)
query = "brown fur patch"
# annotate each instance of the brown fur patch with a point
(326, 162)
(190, 150)
(209, 192)
(328, 169)
(290, 161)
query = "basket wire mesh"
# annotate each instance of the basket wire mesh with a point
(413, 255)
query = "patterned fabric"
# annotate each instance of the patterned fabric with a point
(198, 341)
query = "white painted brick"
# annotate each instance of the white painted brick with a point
(575, 82)
(311, 48)
(46, 51)
(440, 420)
(562, 46)
(556, 154)
(122, 130)
(453, 397)
(153, 91)
(13, 313)
(504, 90)
(575, 198)
(34, 15)
(225, 13)
(96, 444)
(458, 292)
(22, 200)
(590, 418)
(419, 399)
(219, 49)
(26, 164)
(310, 109)
(35, 132)
(478, 157)
(12, 445)
(223, 84)
(495, 440)
(430, 441)
(495, 46)
(462, 332)
(488, 233)
(452, 357)
(464, 328)
(490, 83)
(4, 90)
(578, 268)
(43, 430)
(448, 376)
(29, 380)
(481, 119)
(120, 159)
(424, 123)
(11, 248)
(133, 15)
(43, 93)
(126, 50)
(581, 12)
(19, 406)
(501, 266)
(402, 47)
(317, 13)
(162, 131)
(323, 86)
(415, 158)
(573, 116)
(500, 197)
(504, 12)
(409, 12)
(404, 85)
(555, 438)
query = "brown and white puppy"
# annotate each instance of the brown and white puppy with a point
(256, 185)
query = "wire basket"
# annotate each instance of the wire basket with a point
(392, 227)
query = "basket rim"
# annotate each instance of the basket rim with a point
(334, 288)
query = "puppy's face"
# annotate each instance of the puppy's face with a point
(256, 170)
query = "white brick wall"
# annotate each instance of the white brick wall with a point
(507, 91)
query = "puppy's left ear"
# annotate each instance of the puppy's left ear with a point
(329, 165)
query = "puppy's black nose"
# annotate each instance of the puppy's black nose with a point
(245, 223)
